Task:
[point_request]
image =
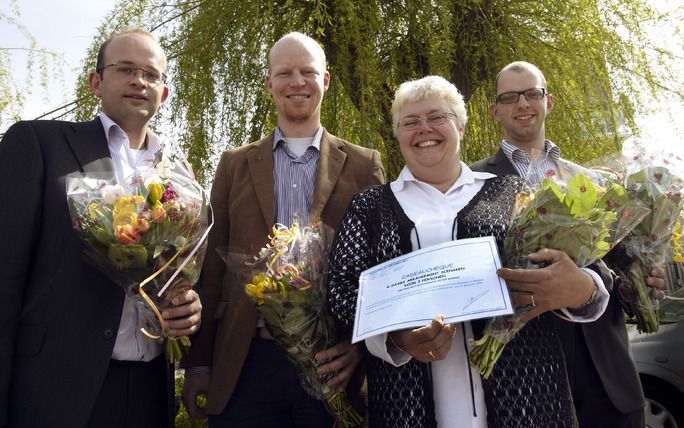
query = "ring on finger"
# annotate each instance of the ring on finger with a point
(432, 355)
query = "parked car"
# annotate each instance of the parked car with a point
(660, 360)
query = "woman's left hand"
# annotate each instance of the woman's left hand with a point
(426, 344)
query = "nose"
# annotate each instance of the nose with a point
(522, 100)
(138, 77)
(297, 79)
(423, 125)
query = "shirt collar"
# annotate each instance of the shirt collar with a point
(316, 143)
(116, 136)
(468, 176)
(513, 153)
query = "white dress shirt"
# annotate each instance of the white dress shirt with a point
(131, 344)
(433, 214)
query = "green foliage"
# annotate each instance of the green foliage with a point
(182, 418)
(596, 56)
(39, 63)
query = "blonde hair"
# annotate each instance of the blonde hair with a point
(430, 86)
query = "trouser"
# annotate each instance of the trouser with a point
(134, 394)
(592, 404)
(269, 395)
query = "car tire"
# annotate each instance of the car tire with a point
(663, 404)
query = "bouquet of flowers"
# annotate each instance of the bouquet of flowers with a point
(647, 245)
(287, 286)
(147, 234)
(583, 220)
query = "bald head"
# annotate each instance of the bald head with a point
(296, 39)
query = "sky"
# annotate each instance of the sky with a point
(67, 28)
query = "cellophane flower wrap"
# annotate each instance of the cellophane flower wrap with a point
(580, 218)
(287, 285)
(147, 234)
(655, 180)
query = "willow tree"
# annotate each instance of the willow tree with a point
(595, 55)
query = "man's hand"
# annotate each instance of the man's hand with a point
(656, 280)
(194, 386)
(561, 284)
(428, 343)
(184, 317)
(344, 358)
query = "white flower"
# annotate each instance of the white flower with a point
(110, 193)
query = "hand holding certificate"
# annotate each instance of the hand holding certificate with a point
(457, 279)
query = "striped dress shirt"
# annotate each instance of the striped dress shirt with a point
(294, 178)
(535, 166)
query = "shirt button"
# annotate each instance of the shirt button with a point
(294, 185)
(108, 333)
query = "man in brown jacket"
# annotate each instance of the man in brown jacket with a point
(298, 171)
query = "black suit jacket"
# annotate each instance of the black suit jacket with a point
(606, 338)
(59, 315)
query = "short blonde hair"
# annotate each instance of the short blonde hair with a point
(430, 86)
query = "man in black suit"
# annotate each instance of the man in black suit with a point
(71, 354)
(604, 381)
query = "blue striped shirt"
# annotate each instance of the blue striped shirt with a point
(294, 179)
(536, 167)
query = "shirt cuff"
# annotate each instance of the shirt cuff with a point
(377, 345)
(592, 311)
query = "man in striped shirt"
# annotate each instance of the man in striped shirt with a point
(298, 172)
(605, 384)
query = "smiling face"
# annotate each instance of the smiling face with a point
(129, 100)
(522, 122)
(297, 80)
(431, 152)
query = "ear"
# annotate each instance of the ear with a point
(461, 131)
(269, 83)
(94, 81)
(326, 80)
(495, 112)
(165, 94)
(549, 103)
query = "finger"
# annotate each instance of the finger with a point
(656, 294)
(183, 326)
(533, 313)
(428, 332)
(332, 352)
(522, 299)
(520, 278)
(546, 255)
(185, 297)
(191, 308)
(655, 282)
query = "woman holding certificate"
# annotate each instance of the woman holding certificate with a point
(421, 377)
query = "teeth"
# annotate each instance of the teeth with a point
(298, 97)
(529, 116)
(427, 143)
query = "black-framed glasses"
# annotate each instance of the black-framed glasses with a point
(126, 70)
(532, 94)
(432, 119)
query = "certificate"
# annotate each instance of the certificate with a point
(456, 279)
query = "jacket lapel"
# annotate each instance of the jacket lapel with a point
(330, 166)
(260, 161)
(500, 164)
(89, 146)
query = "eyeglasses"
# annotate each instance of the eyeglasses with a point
(150, 76)
(534, 94)
(432, 119)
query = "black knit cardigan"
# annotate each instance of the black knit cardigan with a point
(528, 387)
